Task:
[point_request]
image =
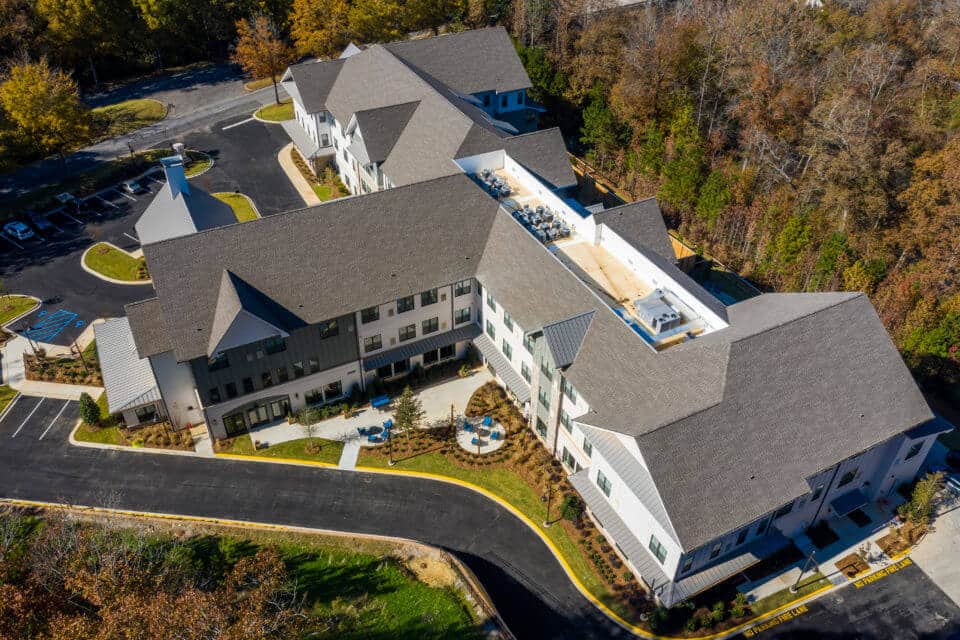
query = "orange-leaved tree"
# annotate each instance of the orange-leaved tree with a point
(261, 51)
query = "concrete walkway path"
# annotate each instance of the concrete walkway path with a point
(938, 552)
(299, 182)
(14, 374)
(351, 450)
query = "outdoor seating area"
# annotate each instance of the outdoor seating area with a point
(485, 437)
(377, 435)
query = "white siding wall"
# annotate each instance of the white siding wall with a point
(513, 337)
(178, 389)
(346, 163)
(473, 164)
(390, 322)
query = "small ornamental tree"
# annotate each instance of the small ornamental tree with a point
(261, 51)
(920, 507)
(89, 409)
(409, 413)
(571, 508)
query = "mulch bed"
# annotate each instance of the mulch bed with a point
(62, 370)
(852, 565)
(899, 540)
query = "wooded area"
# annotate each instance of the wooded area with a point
(809, 148)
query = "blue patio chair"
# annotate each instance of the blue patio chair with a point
(362, 431)
(388, 424)
(373, 438)
(475, 442)
(487, 421)
(495, 435)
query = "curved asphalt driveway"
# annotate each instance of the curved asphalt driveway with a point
(527, 584)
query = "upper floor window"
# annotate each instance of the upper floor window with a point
(298, 369)
(372, 343)
(520, 97)
(816, 493)
(715, 551)
(461, 315)
(214, 395)
(490, 302)
(503, 100)
(408, 332)
(544, 398)
(784, 510)
(428, 297)
(486, 100)
(314, 364)
(687, 564)
(217, 362)
(742, 536)
(248, 385)
(231, 389)
(587, 448)
(275, 344)
(565, 420)
(507, 350)
(568, 390)
(491, 331)
(604, 483)
(266, 380)
(848, 477)
(525, 371)
(528, 343)
(657, 549)
(329, 329)
(405, 304)
(545, 370)
(507, 320)
(461, 288)
(541, 427)
(282, 375)
(370, 314)
(430, 325)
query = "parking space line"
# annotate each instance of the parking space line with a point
(55, 418)
(10, 240)
(9, 408)
(134, 238)
(27, 419)
(125, 195)
(237, 124)
(64, 213)
(105, 201)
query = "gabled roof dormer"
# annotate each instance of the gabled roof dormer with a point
(244, 315)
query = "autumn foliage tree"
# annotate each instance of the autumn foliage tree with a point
(261, 51)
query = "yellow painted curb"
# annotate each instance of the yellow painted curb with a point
(298, 461)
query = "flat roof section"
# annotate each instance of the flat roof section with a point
(603, 271)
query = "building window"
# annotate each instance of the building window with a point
(428, 297)
(314, 396)
(231, 389)
(461, 315)
(762, 527)
(217, 362)
(816, 493)
(528, 343)
(568, 390)
(541, 428)
(658, 550)
(491, 331)
(314, 365)
(333, 391)
(401, 366)
(545, 370)
(525, 371)
(914, 450)
(282, 375)
(507, 350)
(568, 459)
(147, 413)
(503, 100)
(431, 357)
(266, 380)
(372, 343)
(490, 302)
(687, 564)
(370, 314)
(275, 344)
(587, 448)
(604, 483)
(784, 510)
(486, 100)
(234, 424)
(408, 332)
(430, 325)
(742, 536)
(248, 385)
(447, 352)
(405, 304)
(716, 550)
(544, 400)
(328, 329)
(848, 477)
(520, 97)
(385, 371)
(565, 420)
(214, 395)
(461, 288)
(507, 320)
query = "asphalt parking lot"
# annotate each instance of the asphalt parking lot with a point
(906, 605)
(49, 267)
(31, 419)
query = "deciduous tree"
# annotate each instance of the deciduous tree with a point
(261, 51)
(320, 27)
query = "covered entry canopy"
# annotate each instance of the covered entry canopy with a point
(851, 500)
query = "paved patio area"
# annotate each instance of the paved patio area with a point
(486, 443)
(435, 399)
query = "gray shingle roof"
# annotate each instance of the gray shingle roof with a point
(565, 337)
(167, 216)
(127, 378)
(468, 62)
(325, 261)
(149, 331)
(641, 224)
(312, 82)
(235, 297)
(545, 155)
(382, 127)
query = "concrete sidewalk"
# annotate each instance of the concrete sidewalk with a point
(14, 374)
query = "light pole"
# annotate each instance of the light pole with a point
(546, 522)
(803, 569)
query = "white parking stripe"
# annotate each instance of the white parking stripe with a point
(9, 408)
(27, 419)
(105, 201)
(134, 238)
(237, 124)
(54, 421)
(126, 195)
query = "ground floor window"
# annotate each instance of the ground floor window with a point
(314, 396)
(541, 428)
(333, 391)
(569, 460)
(234, 424)
(448, 352)
(147, 413)
(431, 357)
(280, 408)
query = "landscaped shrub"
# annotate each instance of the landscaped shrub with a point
(89, 410)
(572, 507)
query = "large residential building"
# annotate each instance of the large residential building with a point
(701, 435)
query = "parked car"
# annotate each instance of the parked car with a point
(134, 187)
(40, 222)
(18, 230)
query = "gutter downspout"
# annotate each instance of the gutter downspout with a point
(826, 492)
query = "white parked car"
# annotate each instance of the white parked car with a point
(18, 230)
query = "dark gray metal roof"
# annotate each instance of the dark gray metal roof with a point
(325, 261)
(148, 328)
(469, 61)
(127, 378)
(565, 337)
(429, 343)
(499, 363)
(641, 224)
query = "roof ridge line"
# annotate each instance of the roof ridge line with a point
(803, 316)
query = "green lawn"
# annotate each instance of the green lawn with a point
(6, 396)
(113, 263)
(13, 306)
(107, 433)
(276, 112)
(330, 450)
(124, 117)
(200, 162)
(807, 586)
(509, 486)
(240, 204)
(240, 446)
